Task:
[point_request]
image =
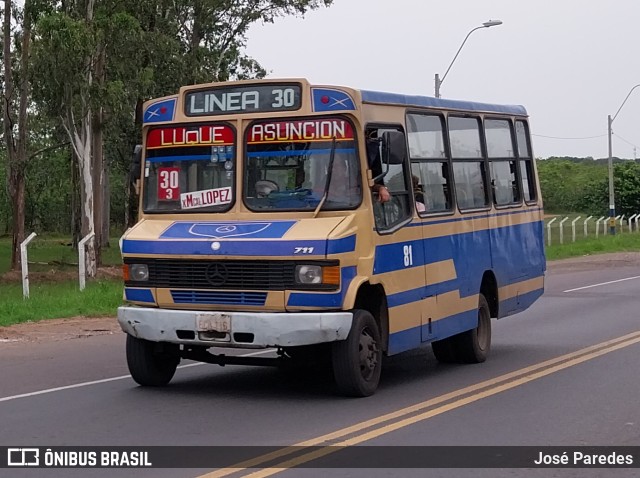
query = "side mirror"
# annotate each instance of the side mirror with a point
(394, 148)
(136, 164)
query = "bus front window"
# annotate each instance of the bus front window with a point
(189, 169)
(287, 165)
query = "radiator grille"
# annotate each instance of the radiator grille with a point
(219, 274)
(228, 298)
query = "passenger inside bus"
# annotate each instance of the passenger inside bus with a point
(418, 194)
(375, 164)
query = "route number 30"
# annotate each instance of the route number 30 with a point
(168, 184)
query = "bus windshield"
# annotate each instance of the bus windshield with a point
(287, 165)
(189, 169)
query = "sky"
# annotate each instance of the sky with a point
(570, 63)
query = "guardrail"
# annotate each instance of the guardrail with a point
(556, 227)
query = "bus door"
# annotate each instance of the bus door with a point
(400, 254)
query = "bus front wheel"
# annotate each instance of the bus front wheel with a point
(357, 361)
(148, 365)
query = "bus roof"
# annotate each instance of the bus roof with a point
(379, 97)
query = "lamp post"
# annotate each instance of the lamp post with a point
(490, 23)
(612, 202)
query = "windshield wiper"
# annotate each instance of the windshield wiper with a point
(332, 156)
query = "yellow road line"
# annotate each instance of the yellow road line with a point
(512, 379)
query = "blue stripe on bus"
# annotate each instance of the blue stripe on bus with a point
(446, 327)
(189, 157)
(428, 222)
(414, 100)
(227, 229)
(268, 154)
(520, 303)
(238, 247)
(476, 245)
(139, 295)
(415, 295)
(339, 246)
(320, 299)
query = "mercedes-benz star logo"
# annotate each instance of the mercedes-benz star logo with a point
(217, 274)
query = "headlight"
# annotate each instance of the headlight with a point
(318, 275)
(309, 274)
(138, 272)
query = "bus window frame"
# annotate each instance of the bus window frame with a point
(447, 159)
(176, 124)
(407, 175)
(533, 182)
(515, 158)
(484, 162)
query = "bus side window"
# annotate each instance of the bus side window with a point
(397, 181)
(429, 161)
(526, 161)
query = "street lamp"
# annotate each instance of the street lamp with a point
(612, 202)
(490, 23)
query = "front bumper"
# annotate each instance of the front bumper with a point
(235, 329)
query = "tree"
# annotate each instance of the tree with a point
(97, 62)
(15, 102)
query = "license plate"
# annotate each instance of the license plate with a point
(213, 322)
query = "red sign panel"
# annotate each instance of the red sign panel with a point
(219, 135)
(168, 184)
(303, 130)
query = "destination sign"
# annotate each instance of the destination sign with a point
(218, 135)
(243, 99)
(301, 130)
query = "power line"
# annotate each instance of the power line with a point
(559, 137)
(628, 142)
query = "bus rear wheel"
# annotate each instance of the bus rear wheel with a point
(357, 361)
(471, 346)
(148, 365)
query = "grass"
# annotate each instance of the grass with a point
(46, 251)
(58, 300)
(624, 242)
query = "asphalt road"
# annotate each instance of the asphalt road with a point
(563, 373)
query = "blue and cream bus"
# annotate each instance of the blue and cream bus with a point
(327, 221)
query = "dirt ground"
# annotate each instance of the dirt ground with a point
(81, 327)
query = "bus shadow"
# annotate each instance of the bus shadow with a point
(315, 381)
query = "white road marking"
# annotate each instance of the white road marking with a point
(602, 283)
(105, 380)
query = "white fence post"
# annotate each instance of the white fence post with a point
(549, 230)
(25, 264)
(82, 269)
(630, 222)
(604, 227)
(621, 222)
(573, 229)
(585, 225)
(598, 226)
(636, 221)
(562, 229)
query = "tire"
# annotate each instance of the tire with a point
(148, 366)
(473, 346)
(357, 361)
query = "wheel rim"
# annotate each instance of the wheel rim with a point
(368, 348)
(483, 329)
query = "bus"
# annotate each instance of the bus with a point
(282, 222)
